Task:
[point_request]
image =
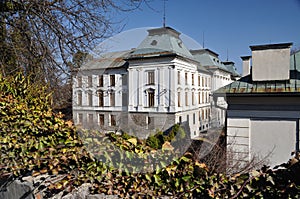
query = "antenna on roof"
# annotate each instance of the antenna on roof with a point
(203, 39)
(164, 16)
(227, 55)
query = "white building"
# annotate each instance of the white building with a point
(264, 106)
(154, 86)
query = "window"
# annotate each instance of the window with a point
(112, 80)
(151, 98)
(180, 119)
(90, 98)
(208, 113)
(203, 97)
(186, 99)
(90, 81)
(113, 120)
(207, 97)
(112, 99)
(193, 83)
(79, 81)
(90, 118)
(193, 98)
(179, 102)
(79, 98)
(101, 119)
(202, 111)
(199, 80)
(100, 96)
(186, 78)
(199, 115)
(178, 77)
(194, 118)
(199, 97)
(202, 81)
(151, 77)
(80, 118)
(100, 83)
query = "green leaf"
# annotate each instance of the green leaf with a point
(186, 178)
(157, 179)
(148, 177)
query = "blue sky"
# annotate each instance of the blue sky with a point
(228, 25)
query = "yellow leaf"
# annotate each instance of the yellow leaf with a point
(201, 165)
(133, 141)
(54, 171)
(69, 123)
(167, 146)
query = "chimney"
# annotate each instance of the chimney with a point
(271, 62)
(246, 65)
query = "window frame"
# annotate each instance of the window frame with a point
(151, 98)
(100, 81)
(112, 80)
(100, 98)
(113, 121)
(101, 119)
(79, 98)
(112, 98)
(90, 82)
(151, 77)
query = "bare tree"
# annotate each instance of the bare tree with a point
(42, 37)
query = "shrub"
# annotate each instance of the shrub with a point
(153, 142)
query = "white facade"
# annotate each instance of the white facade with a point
(152, 87)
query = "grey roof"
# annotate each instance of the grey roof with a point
(108, 60)
(246, 85)
(208, 58)
(163, 39)
(231, 67)
(271, 46)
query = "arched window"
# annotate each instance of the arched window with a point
(151, 97)
(90, 98)
(79, 98)
(112, 98)
(100, 96)
(178, 97)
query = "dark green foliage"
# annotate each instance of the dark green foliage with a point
(35, 140)
(175, 136)
(153, 142)
(126, 136)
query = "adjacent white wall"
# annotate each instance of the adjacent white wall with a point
(272, 140)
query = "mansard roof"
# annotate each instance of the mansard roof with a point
(246, 86)
(231, 68)
(108, 60)
(208, 59)
(164, 39)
